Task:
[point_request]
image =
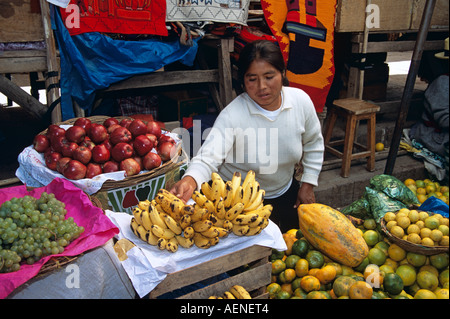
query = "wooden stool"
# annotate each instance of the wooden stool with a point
(352, 110)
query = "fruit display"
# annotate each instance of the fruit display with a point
(418, 227)
(235, 292)
(426, 188)
(219, 209)
(32, 228)
(87, 149)
(387, 272)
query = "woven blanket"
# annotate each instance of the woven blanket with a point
(225, 11)
(116, 16)
(305, 33)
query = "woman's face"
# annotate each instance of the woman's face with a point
(263, 83)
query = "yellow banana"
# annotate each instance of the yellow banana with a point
(161, 243)
(211, 232)
(172, 245)
(160, 232)
(220, 209)
(258, 222)
(166, 193)
(264, 211)
(201, 241)
(206, 190)
(199, 214)
(215, 177)
(146, 221)
(137, 215)
(184, 242)
(227, 224)
(199, 198)
(155, 217)
(152, 239)
(188, 232)
(142, 232)
(234, 211)
(236, 182)
(187, 209)
(218, 222)
(185, 221)
(159, 208)
(238, 196)
(214, 241)
(202, 225)
(264, 223)
(228, 194)
(171, 206)
(222, 231)
(172, 224)
(255, 190)
(249, 179)
(239, 230)
(245, 219)
(257, 202)
(239, 292)
(254, 231)
(228, 295)
(144, 204)
(247, 194)
(134, 225)
(209, 205)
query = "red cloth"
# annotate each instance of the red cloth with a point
(116, 16)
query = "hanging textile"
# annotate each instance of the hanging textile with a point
(305, 33)
(116, 16)
(93, 61)
(225, 11)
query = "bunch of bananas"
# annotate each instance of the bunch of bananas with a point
(235, 292)
(235, 205)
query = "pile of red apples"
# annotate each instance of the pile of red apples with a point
(88, 149)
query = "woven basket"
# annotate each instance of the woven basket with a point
(179, 159)
(408, 246)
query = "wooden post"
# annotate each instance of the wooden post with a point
(409, 86)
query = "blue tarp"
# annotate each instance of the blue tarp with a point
(94, 61)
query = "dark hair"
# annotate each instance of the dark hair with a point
(261, 50)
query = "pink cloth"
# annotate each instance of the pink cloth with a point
(98, 229)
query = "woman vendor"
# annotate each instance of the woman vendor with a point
(270, 128)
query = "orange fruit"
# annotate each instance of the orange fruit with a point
(422, 197)
(396, 253)
(291, 260)
(409, 181)
(421, 191)
(376, 256)
(278, 266)
(301, 267)
(436, 235)
(273, 289)
(371, 237)
(389, 216)
(360, 290)
(407, 273)
(289, 239)
(310, 283)
(397, 231)
(416, 260)
(342, 285)
(427, 280)
(288, 288)
(300, 293)
(326, 274)
(287, 275)
(379, 147)
(393, 284)
(431, 222)
(317, 295)
(424, 294)
(315, 259)
(441, 293)
(440, 261)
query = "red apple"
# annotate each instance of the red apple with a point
(84, 123)
(110, 166)
(121, 151)
(137, 127)
(130, 166)
(57, 142)
(154, 128)
(82, 154)
(151, 160)
(100, 154)
(166, 150)
(68, 148)
(111, 128)
(52, 159)
(55, 130)
(41, 143)
(120, 135)
(153, 138)
(139, 160)
(98, 133)
(125, 122)
(110, 121)
(166, 138)
(75, 134)
(87, 142)
(75, 170)
(93, 169)
(142, 145)
(61, 164)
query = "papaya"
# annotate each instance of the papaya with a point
(332, 233)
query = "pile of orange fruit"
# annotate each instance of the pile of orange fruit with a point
(388, 271)
(427, 188)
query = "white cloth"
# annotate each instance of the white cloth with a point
(244, 139)
(147, 266)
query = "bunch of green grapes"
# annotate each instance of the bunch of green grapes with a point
(31, 228)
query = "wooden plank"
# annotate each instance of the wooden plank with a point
(18, 23)
(251, 279)
(22, 65)
(165, 78)
(210, 269)
(399, 46)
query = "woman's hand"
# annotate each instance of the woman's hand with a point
(305, 195)
(184, 188)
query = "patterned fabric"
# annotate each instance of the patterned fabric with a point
(116, 16)
(305, 33)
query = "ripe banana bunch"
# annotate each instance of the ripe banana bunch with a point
(162, 222)
(235, 205)
(235, 292)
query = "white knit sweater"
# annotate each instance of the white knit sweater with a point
(244, 139)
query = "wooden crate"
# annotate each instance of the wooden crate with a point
(254, 278)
